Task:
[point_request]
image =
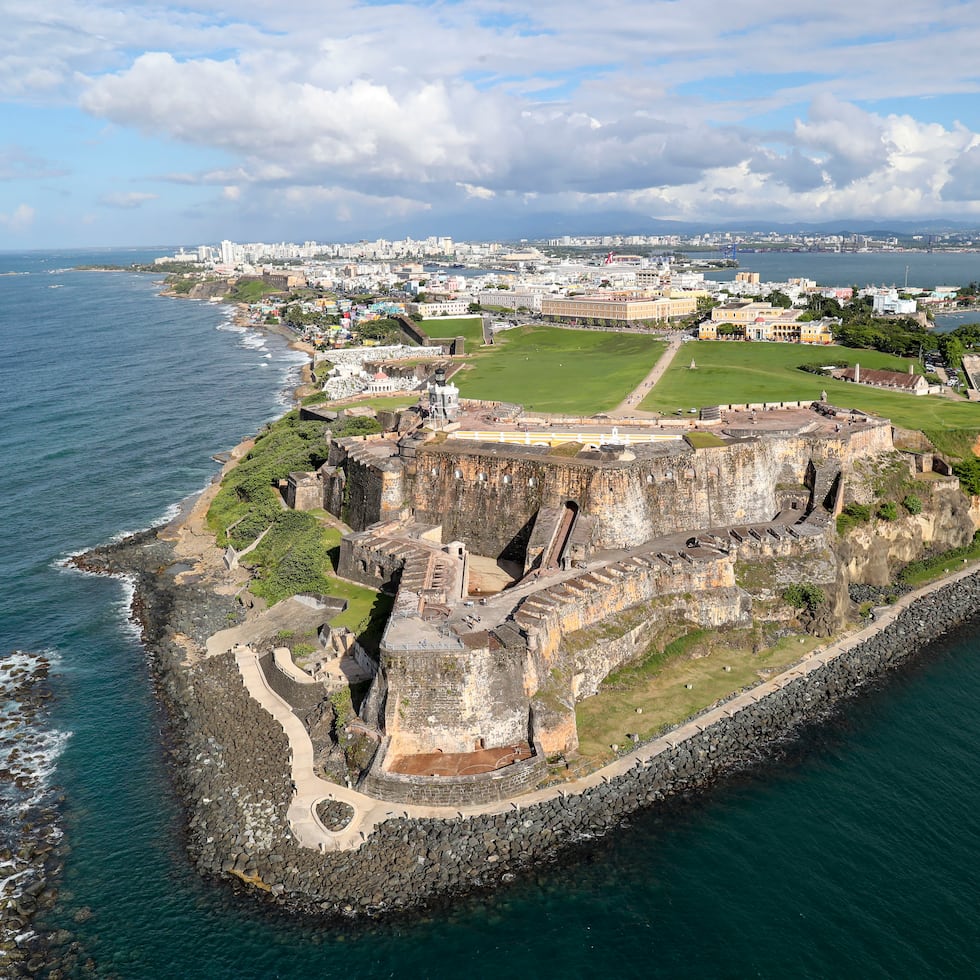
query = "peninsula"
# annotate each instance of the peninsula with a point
(567, 618)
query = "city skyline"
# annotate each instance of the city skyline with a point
(165, 124)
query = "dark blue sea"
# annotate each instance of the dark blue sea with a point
(856, 854)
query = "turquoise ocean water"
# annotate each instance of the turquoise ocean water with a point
(855, 855)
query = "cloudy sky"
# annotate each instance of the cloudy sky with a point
(333, 120)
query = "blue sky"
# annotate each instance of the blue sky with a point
(199, 121)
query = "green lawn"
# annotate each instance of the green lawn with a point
(737, 373)
(657, 685)
(548, 369)
(447, 327)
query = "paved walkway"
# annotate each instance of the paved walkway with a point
(628, 406)
(311, 790)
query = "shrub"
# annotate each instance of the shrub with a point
(887, 511)
(804, 596)
(912, 504)
(968, 471)
(852, 515)
(356, 426)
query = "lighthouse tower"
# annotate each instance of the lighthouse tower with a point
(443, 399)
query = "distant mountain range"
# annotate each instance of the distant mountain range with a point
(486, 223)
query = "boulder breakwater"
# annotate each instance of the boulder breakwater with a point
(232, 758)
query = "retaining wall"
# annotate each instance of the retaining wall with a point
(490, 787)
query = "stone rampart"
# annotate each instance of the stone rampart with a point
(372, 560)
(375, 487)
(454, 700)
(488, 494)
(586, 600)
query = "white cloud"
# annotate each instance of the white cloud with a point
(640, 104)
(20, 219)
(126, 199)
(472, 190)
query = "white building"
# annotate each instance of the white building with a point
(886, 301)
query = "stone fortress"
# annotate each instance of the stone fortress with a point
(530, 558)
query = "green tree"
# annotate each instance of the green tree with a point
(779, 299)
(952, 350)
(804, 596)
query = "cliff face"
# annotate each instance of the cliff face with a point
(211, 289)
(872, 554)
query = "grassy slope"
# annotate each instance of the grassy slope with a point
(735, 373)
(381, 403)
(657, 685)
(548, 369)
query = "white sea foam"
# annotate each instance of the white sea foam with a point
(124, 606)
(29, 753)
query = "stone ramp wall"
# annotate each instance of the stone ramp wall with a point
(300, 697)
(490, 787)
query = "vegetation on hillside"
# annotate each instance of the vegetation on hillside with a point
(297, 552)
(917, 573)
(248, 500)
(248, 290)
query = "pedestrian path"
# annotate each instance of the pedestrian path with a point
(628, 406)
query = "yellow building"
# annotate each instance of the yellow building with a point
(761, 321)
(618, 307)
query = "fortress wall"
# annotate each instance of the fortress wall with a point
(488, 496)
(300, 697)
(492, 515)
(867, 441)
(752, 549)
(489, 787)
(375, 492)
(334, 489)
(722, 607)
(608, 598)
(363, 560)
(304, 491)
(448, 700)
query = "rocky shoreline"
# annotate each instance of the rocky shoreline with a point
(231, 758)
(32, 846)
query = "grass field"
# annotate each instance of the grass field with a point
(658, 686)
(548, 369)
(736, 373)
(447, 327)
